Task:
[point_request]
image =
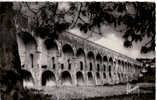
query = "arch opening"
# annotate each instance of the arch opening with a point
(90, 78)
(98, 67)
(62, 66)
(66, 78)
(105, 58)
(109, 69)
(99, 58)
(53, 50)
(111, 61)
(104, 68)
(90, 55)
(104, 75)
(119, 76)
(69, 66)
(90, 67)
(32, 60)
(48, 78)
(80, 79)
(80, 53)
(98, 75)
(51, 45)
(119, 62)
(122, 63)
(81, 65)
(53, 63)
(68, 50)
(27, 78)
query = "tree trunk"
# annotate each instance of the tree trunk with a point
(10, 65)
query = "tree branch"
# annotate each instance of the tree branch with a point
(77, 16)
(82, 20)
(30, 8)
(148, 42)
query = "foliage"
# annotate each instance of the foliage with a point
(10, 88)
(25, 36)
(137, 19)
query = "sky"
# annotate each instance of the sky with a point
(113, 40)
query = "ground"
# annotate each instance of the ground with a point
(67, 93)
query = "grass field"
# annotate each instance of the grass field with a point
(68, 93)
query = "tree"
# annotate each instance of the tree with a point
(9, 58)
(10, 66)
(135, 20)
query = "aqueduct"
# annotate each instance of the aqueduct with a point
(73, 61)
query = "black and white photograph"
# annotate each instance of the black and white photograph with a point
(77, 50)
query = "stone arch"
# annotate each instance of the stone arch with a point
(104, 67)
(68, 50)
(122, 65)
(129, 66)
(110, 66)
(119, 62)
(125, 63)
(48, 78)
(32, 60)
(53, 47)
(104, 75)
(69, 64)
(119, 65)
(80, 53)
(99, 61)
(53, 51)
(111, 61)
(66, 78)
(119, 76)
(27, 41)
(79, 78)
(105, 59)
(90, 57)
(62, 66)
(109, 70)
(98, 75)
(115, 64)
(81, 65)
(125, 66)
(28, 80)
(90, 66)
(68, 54)
(98, 67)
(90, 78)
(99, 58)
